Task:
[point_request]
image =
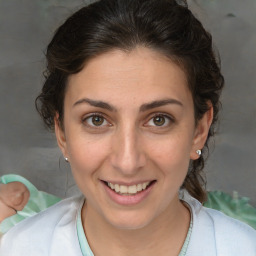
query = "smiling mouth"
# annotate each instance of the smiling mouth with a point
(129, 190)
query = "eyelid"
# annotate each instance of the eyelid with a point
(84, 117)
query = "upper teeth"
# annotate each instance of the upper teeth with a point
(128, 189)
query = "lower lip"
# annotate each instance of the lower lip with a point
(128, 199)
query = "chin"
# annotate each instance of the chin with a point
(128, 221)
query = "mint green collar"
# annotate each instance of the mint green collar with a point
(85, 248)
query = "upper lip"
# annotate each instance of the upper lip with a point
(127, 183)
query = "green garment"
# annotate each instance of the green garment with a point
(235, 207)
(38, 201)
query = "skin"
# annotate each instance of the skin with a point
(13, 197)
(129, 147)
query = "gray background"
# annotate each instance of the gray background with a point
(26, 148)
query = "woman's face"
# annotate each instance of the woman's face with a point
(129, 124)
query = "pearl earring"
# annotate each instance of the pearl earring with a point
(66, 159)
(199, 152)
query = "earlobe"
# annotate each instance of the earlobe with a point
(60, 135)
(201, 133)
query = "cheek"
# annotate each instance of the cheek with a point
(172, 149)
(86, 155)
(86, 159)
(172, 156)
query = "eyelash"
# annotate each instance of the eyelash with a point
(169, 119)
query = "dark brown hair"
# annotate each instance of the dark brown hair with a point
(167, 26)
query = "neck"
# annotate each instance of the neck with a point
(165, 234)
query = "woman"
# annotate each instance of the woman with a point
(132, 91)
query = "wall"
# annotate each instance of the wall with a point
(26, 148)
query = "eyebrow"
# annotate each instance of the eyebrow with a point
(96, 103)
(143, 108)
(159, 103)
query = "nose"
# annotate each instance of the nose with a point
(127, 155)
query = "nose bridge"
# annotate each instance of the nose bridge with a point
(127, 153)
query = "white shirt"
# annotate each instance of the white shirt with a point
(53, 232)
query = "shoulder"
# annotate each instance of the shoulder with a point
(218, 234)
(229, 229)
(42, 231)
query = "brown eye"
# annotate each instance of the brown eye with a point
(159, 120)
(97, 120)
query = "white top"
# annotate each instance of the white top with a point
(53, 232)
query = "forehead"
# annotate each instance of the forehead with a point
(139, 74)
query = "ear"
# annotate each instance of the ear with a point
(60, 135)
(201, 133)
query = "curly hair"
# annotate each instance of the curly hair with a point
(167, 26)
